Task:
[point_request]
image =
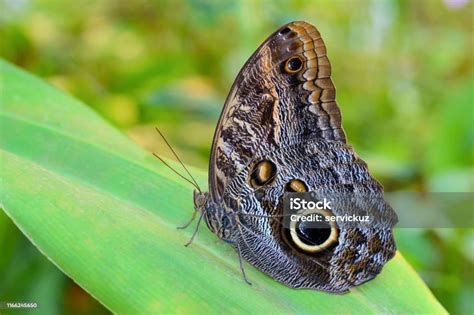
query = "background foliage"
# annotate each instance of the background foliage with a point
(403, 71)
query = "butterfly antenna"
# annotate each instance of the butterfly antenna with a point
(179, 160)
(176, 172)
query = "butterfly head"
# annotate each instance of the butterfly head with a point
(200, 199)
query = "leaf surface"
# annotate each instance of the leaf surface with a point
(105, 212)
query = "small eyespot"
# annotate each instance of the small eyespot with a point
(294, 64)
(313, 236)
(262, 173)
(296, 185)
(284, 31)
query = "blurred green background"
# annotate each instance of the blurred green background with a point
(403, 72)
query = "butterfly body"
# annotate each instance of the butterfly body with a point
(280, 131)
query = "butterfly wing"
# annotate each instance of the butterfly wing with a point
(334, 259)
(280, 130)
(283, 95)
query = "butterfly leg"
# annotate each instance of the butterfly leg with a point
(182, 227)
(242, 264)
(231, 241)
(195, 230)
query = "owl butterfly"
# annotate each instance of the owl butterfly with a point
(280, 131)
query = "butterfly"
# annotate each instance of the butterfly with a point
(280, 132)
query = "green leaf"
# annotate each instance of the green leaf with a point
(105, 212)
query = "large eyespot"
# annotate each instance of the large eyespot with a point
(296, 185)
(262, 173)
(294, 64)
(311, 232)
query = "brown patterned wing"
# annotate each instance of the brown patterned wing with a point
(282, 96)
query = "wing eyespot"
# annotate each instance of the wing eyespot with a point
(294, 64)
(285, 31)
(311, 236)
(296, 185)
(262, 173)
(308, 230)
